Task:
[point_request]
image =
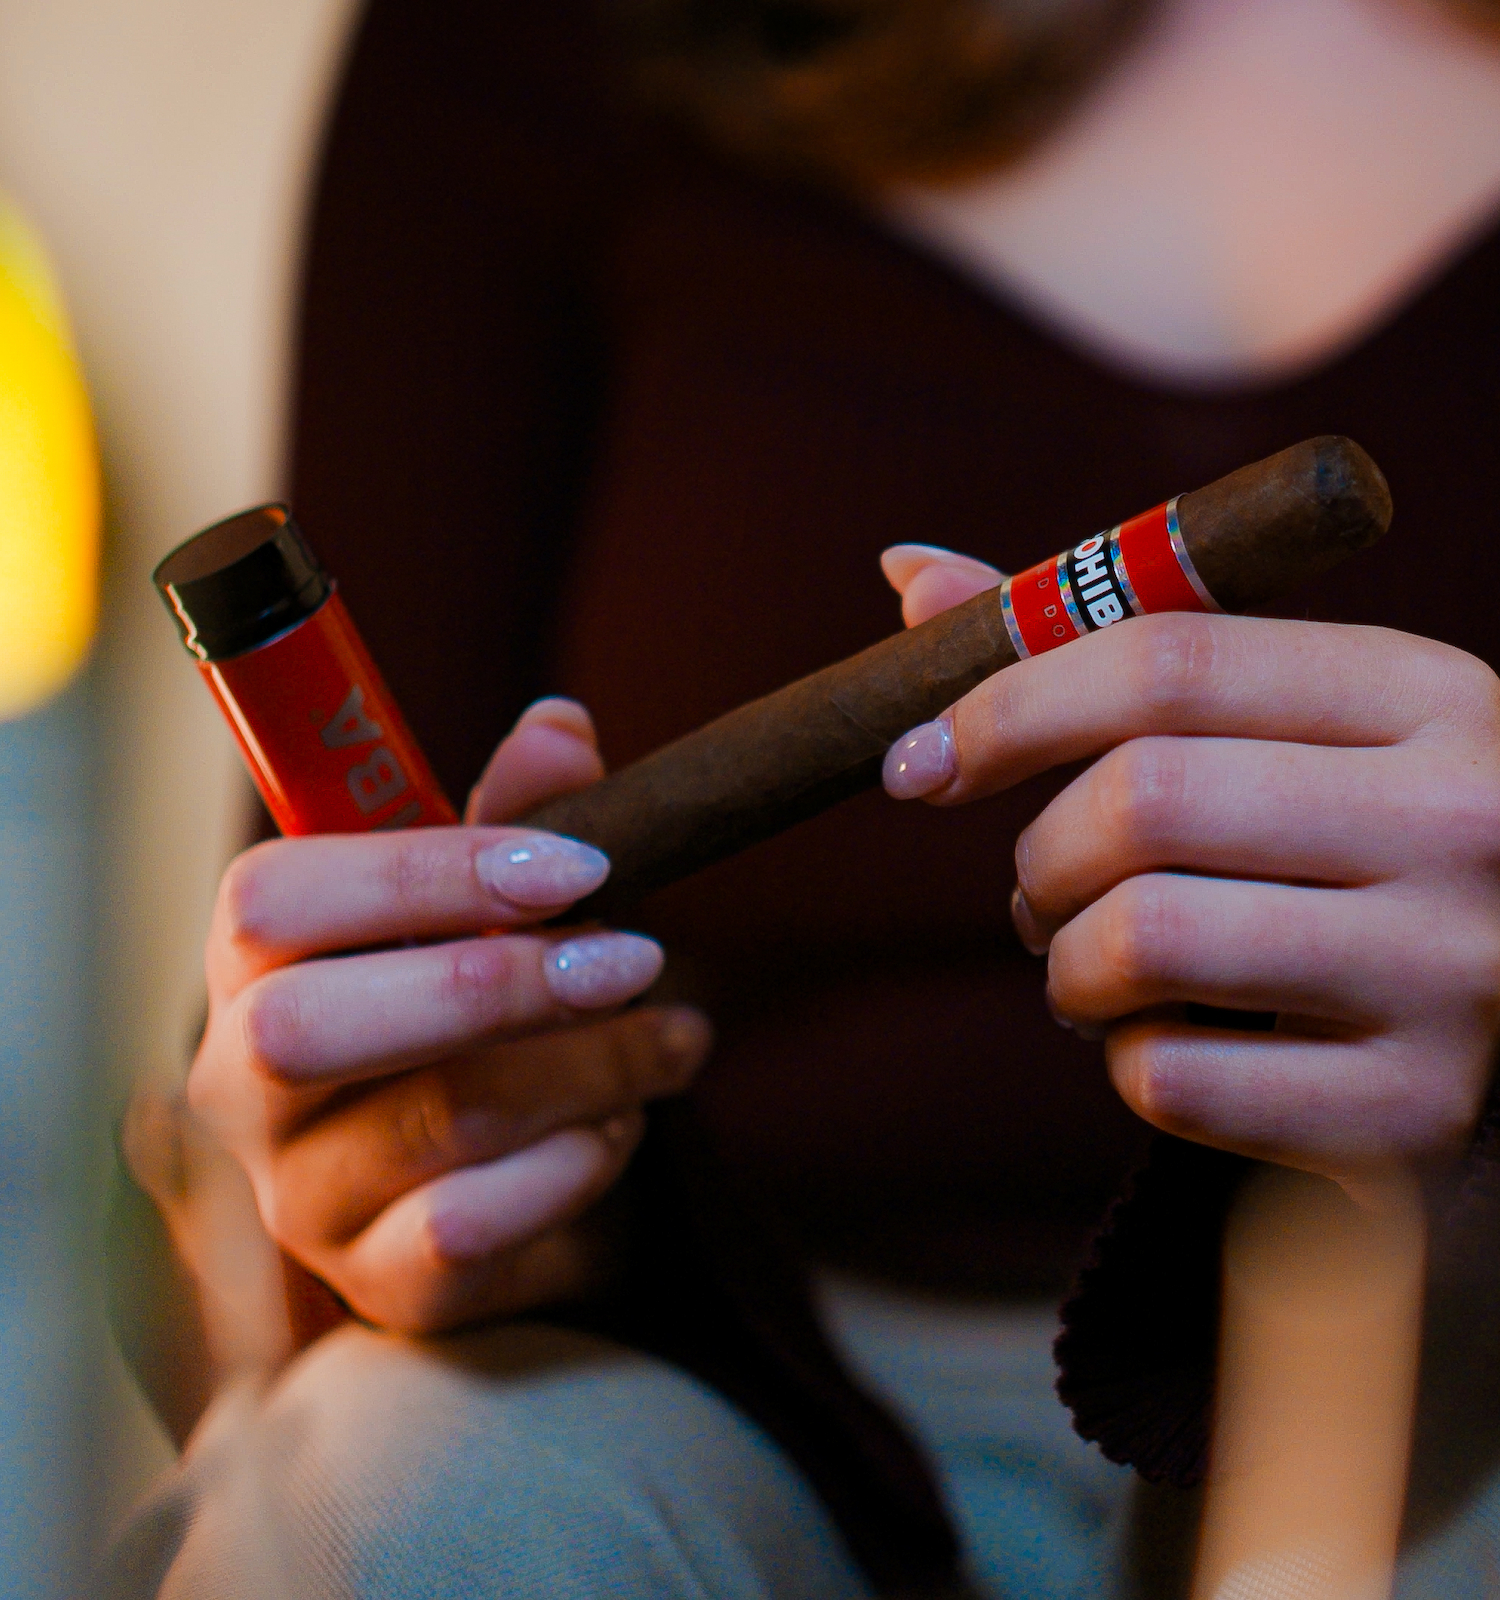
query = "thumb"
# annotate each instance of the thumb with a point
(930, 580)
(551, 750)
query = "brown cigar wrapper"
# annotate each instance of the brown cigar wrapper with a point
(1252, 536)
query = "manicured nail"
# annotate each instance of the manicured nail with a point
(542, 869)
(567, 716)
(1028, 929)
(921, 761)
(603, 969)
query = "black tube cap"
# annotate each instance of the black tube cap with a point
(242, 582)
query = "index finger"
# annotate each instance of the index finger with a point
(1243, 677)
(291, 898)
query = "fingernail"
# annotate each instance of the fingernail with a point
(1028, 930)
(603, 969)
(555, 711)
(542, 869)
(921, 761)
(1054, 1013)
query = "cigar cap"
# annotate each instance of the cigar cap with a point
(241, 582)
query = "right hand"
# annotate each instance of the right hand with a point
(426, 1128)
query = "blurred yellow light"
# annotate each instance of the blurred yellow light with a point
(49, 483)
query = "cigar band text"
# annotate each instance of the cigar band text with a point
(1137, 567)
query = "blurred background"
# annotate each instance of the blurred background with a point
(159, 150)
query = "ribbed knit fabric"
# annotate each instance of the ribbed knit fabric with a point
(582, 409)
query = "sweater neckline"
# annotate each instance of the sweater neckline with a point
(1473, 255)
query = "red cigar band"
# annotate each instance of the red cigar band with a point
(1138, 567)
(319, 731)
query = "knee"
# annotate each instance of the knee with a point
(520, 1460)
(509, 1413)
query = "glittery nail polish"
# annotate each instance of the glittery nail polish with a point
(603, 969)
(541, 869)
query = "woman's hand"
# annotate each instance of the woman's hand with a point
(1282, 816)
(426, 1125)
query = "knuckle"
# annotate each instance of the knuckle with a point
(1157, 1086)
(472, 976)
(273, 1027)
(1141, 927)
(433, 1276)
(426, 1124)
(1472, 694)
(1153, 1092)
(244, 903)
(1143, 788)
(1175, 658)
(1486, 818)
(1444, 689)
(1447, 965)
(1453, 821)
(1487, 706)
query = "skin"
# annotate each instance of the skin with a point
(425, 1128)
(1279, 816)
(1295, 817)
(1248, 190)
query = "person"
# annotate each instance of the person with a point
(595, 404)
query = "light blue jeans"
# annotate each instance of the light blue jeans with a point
(528, 1462)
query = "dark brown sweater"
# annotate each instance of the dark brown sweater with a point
(583, 410)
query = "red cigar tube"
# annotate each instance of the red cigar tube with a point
(323, 739)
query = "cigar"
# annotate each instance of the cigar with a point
(1238, 543)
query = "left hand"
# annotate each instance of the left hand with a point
(1280, 816)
